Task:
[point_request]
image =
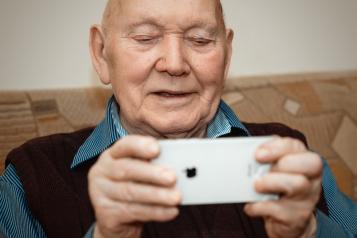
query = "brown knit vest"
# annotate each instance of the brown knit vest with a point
(58, 197)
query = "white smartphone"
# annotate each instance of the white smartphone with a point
(215, 171)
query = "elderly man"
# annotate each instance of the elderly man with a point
(166, 61)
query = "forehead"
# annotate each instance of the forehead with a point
(164, 12)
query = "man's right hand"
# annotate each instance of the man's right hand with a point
(127, 190)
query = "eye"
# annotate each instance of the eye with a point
(200, 41)
(145, 39)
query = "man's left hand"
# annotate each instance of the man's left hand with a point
(296, 177)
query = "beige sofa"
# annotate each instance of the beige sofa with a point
(323, 106)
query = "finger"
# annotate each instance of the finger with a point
(316, 188)
(308, 164)
(141, 147)
(122, 213)
(264, 209)
(147, 213)
(139, 193)
(290, 185)
(139, 171)
(135, 212)
(271, 151)
(283, 211)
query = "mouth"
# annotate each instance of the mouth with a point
(172, 94)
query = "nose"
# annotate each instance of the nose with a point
(173, 59)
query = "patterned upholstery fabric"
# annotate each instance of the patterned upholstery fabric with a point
(322, 106)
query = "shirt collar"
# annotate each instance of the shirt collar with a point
(110, 130)
(104, 135)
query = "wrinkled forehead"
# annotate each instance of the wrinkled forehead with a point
(115, 8)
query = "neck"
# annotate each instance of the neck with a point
(196, 132)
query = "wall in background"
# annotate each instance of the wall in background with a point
(279, 36)
(44, 44)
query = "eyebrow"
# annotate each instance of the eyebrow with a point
(211, 28)
(147, 21)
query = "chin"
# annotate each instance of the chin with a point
(176, 126)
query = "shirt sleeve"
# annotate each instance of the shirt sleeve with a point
(16, 219)
(342, 218)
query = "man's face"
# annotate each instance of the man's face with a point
(167, 61)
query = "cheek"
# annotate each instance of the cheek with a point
(133, 66)
(209, 70)
(129, 74)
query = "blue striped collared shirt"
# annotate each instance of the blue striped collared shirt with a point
(16, 219)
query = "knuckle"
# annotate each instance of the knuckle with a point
(121, 170)
(316, 162)
(289, 189)
(122, 174)
(316, 194)
(127, 192)
(147, 140)
(137, 139)
(100, 201)
(301, 220)
(164, 197)
(173, 198)
(96, 168)
(317, 187)
(256, 208)
(161, 214)
(305, 214)
(286, 140)
(105, 155)
(122, 144)
(91, 173)
(302, 183)
(110, 224)
(123, 141)
(297, 145)
(172, 213)
(161, 196)
(285, 218)
(132, 138)
(298, 225)
(177, 198)
(135, 212)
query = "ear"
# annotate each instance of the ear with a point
(97, 52)
(229, 49)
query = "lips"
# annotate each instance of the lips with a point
(172, 100)
(168, 93)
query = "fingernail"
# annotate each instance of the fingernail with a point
(262, 153)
